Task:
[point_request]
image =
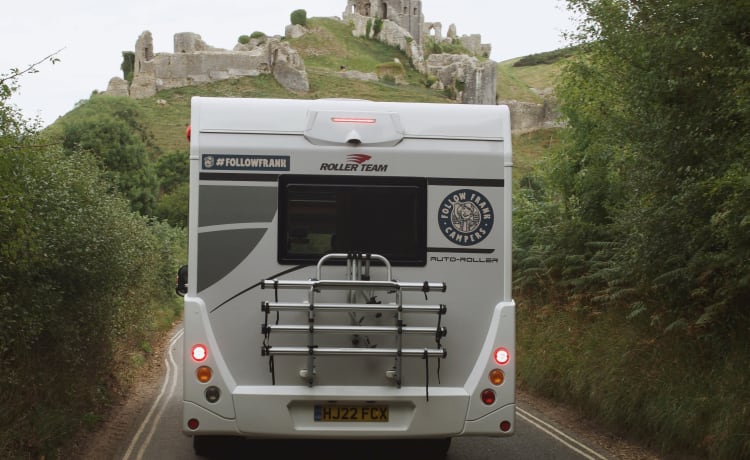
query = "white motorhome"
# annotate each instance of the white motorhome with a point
(350, 271)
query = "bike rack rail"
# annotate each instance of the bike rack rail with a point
(358, 281)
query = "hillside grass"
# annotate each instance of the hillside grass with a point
(678, 400)
(527, 83)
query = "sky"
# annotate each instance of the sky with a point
(89, 36)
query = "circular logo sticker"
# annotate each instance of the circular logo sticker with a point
(466, 217)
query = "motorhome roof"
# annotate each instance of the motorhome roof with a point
(293, 116)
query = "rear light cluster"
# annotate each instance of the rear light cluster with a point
(204, 374)
(496, 377)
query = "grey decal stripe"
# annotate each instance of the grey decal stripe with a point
(466, 182)
(462, 250)
(221, 252)
(227, 204)
(239, 177)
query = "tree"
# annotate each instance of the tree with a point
(82, 278)
(108, 127)
(12, 124)
(653, 176)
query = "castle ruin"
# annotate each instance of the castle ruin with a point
(405, 13)
(471, 79)
(195, 62)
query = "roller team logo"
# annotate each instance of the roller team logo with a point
(466, 217)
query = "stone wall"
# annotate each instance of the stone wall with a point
(407, 14)
(195, 62)
(473, 81)
(529, 116)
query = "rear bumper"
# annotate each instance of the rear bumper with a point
(281, 412)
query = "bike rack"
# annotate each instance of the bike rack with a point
(357, 283)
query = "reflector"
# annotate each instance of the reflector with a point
(212, 394)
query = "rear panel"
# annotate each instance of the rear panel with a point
(276, 185)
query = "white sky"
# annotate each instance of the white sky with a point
(93, 33)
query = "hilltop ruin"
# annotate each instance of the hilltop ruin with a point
(471, 78)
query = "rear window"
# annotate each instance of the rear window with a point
(346, 214)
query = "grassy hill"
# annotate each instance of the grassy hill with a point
(329, 46)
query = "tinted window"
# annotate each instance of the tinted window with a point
(324, 214)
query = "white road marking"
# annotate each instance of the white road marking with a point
(171, 380)
(160, 401)
(562, 437)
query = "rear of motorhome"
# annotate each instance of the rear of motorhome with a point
(349, 271)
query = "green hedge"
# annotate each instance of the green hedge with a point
(83, 281)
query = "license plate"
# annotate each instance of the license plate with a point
(353, 413)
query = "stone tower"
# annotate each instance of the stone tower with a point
(405, 13)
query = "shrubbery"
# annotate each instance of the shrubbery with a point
(84, 283)
(549, 57)
(390, 72)
(81, 277)
(109, 128)
(641, 219)
(433, 46)
(299, 18)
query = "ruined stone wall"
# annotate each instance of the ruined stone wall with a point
(195, 62)
(406, 13)
(470, 81)
(530, 116)
(473, 82)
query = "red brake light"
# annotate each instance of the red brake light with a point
(188, 132)
(367, 121)
(502, 356)
(199, 353)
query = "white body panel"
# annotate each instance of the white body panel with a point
(451, 157)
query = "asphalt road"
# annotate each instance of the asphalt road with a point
(156, 435)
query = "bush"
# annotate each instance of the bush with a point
(299, 18)
(549, 57)
(390, 72)
(429, 80)
(128, 64)
(433, 46)
(81, 278)
(109, 128)
(257, 34)
(243, 40)
(377, 26)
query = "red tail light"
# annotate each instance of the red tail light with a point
(199, 353)
(502, 356)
